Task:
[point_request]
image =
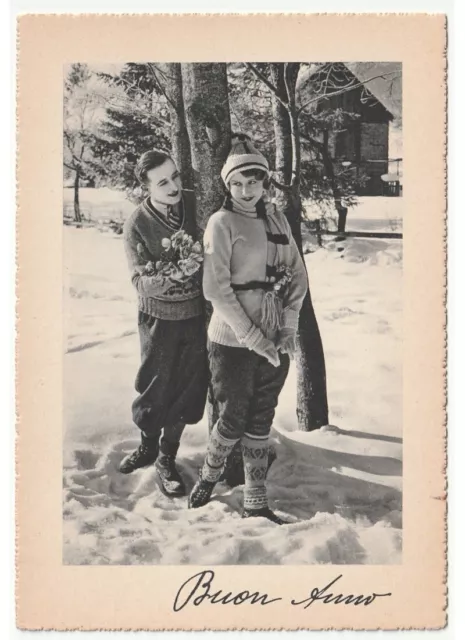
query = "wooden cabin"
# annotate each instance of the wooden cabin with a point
(362, 141)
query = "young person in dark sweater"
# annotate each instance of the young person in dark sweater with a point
(173, 376)
(256, 281)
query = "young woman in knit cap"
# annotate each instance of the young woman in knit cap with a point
(256, 281)
(173, 376)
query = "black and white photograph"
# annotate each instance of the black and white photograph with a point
(232, 313)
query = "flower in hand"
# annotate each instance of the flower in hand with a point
(286, 342)
(189, 266)
(179, 261)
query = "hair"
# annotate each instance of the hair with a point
(254, 173)
(148, 161)
(259, 174)
(249, 173)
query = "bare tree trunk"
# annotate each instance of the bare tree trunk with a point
(206, 104)
(77, 208)
(341, 218)
(180, 146)
(282, 127)
(312, 403)
(329, 168)
(288, 199)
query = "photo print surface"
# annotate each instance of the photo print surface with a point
(233, 311)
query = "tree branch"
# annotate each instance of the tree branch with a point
(289, 93)
(152, 68)
(126, 106)
(345, 89)
(319, 145)
(280, 185)
(266, 82)
(290, 73)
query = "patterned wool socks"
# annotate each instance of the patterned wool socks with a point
(218, 450)
(255, 454)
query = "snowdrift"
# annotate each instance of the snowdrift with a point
(339, 486)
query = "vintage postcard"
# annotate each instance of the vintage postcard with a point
(231, 319)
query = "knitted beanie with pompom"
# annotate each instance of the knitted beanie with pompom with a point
(242, 157)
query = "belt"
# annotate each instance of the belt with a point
(253, 284)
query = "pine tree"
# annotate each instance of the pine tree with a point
(136, 121)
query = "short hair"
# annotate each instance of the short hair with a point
(259, 174)
(148, 161)
(254, 173)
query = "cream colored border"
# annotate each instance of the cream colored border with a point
(50, 595)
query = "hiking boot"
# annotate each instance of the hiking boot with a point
(201, 493)
(264, 512)
(172, 484)
(143, 456)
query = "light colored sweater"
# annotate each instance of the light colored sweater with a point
(237, 251)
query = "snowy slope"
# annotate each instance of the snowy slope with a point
(340, 486)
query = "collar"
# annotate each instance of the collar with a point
(154, 213)
(256, 212)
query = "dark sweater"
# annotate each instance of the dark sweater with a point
(144, 231)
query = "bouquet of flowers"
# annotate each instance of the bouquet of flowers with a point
(181, 259)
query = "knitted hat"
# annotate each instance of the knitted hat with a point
(242, 157)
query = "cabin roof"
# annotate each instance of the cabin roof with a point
(384, 91)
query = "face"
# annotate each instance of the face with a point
(164, 183)
(248, 191)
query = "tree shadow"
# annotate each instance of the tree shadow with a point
(305, 480)
(329, 458)
(365, 435)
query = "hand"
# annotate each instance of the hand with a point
(266, 349)
(158, 285)
(287, 342)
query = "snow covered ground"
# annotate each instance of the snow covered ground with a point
(379, 214)
(370, 214)
(99, 203)
(341, 486)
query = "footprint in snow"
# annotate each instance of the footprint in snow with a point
(343, 312)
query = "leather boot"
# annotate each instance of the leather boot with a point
(201, 493)
(264, 512)
(143, 456)
(171, 482)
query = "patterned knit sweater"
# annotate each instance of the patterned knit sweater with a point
(143, 232)
(241, 247)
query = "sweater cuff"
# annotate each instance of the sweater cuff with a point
(290, 319)
(252, 338)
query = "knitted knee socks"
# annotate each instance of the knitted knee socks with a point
(218, 450)
(255, 454)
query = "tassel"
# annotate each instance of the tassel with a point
(272, 308)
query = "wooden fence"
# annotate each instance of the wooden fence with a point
(359, 234)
